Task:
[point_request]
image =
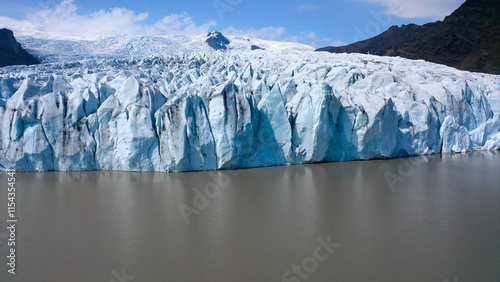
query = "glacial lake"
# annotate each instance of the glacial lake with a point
(432, 218)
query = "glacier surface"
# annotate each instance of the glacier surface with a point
(59, 47)
(239, 109)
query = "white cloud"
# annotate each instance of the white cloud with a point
(180, 24)
(316, 41)
(231, 30)
(64, 18)
(312, 35)
(279, 34)
(269, 33)
(434, 9)
(338, 43)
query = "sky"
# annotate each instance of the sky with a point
(318, 23)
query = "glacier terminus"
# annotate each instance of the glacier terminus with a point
(206, 110)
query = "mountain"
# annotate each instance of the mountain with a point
(217, 41)
(11, 52)
(239, 109)
(468, 39)
(382, 43)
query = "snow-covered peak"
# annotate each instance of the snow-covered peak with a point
(217, 41)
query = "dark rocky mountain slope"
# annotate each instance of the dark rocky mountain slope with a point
(468, 39)
(11, 52)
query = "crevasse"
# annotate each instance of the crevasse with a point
(206, 111)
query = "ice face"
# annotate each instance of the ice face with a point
(239, 109)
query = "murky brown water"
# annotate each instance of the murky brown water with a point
(428, 219)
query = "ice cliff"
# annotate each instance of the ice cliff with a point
(239, 109)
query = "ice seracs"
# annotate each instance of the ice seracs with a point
(239, 109)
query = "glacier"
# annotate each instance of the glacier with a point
(61, 47)
(200, 111)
